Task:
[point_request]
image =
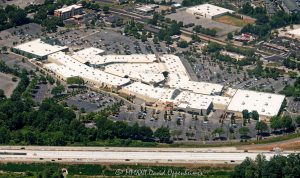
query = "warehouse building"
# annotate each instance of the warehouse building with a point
(266, 104)
(38, 49)
(208, 11)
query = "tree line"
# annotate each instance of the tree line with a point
(292, 90)
(264, 23)
(11, 16)
(277, 167)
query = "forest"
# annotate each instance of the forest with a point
(22, 121)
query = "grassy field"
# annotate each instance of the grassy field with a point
(230, 20)
(134, 143)
(237, 144)
(88, 170)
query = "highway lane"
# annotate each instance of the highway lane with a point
(119, 156)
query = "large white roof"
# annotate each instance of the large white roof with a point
(84, 56)
(208, 10)
(84, 71)
(183, 82)
(266, 104)
(139, 88)
(90, 51)
(195, 101)
(146, 68)
(179, 78)
(61, 70)
(146, 72)
(173, 64)
(68, 8)
(171, 96)
(40, 48)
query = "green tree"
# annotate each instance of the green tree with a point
(52, 23)
(106, 9)
(155, 40)
(287, 122)
(182, 44)
(50, 172)
(277, 167)
(163, 134)
(58, 90)
(246, 114)
(297, 120)
(229, 36)
(244, 131)
(261, 127)
(218, 132)
(275, 123)
(17, 16)
(3, 17)
(82, 110)
(4, 135)
(75, 80)
(255, 115)
(2, 94)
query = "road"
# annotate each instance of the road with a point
(225, 155)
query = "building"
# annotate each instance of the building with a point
(149, 73)
(244, 37)
(208, 11)
(65, 66)
(290, 6)
(146, 92)
(146, 9)
(69, 11)
(196, 104)
(160, 80)
(38, 49)
(266, 104)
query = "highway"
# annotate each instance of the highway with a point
(227, 155)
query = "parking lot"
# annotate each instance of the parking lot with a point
(183, 126)
(20, 34)
(110, 40)
(187, 18)
(42, 91)
(91, 101)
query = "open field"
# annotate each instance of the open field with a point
(88, 170)
(6, 84)
(230, 20)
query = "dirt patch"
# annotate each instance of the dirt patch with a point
(286, 145)
(230, 20)
(6, 83)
